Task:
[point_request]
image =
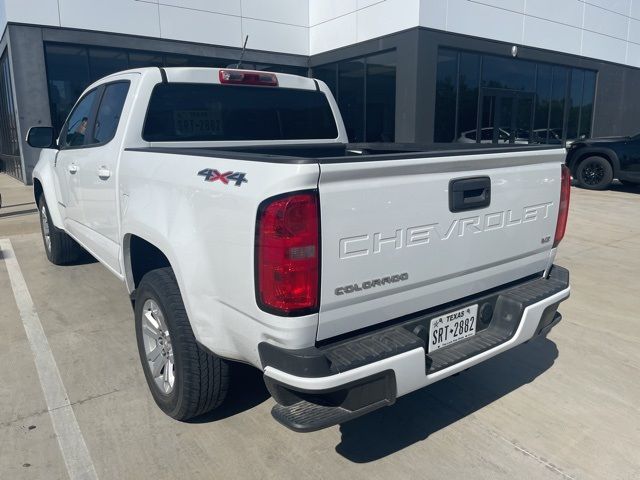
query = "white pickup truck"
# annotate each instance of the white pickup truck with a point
(247, 229)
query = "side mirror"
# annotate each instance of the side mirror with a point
(41, 137)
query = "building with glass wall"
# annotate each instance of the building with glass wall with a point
(418, 71)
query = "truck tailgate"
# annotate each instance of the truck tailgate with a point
(392, 246)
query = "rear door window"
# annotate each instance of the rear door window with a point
(109, 112)
(211, 112)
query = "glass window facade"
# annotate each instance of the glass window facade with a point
(71, 68)
(9, 142)
(491, 99)
(365, 89)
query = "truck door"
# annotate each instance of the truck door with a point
(69, 160)
(97, 178)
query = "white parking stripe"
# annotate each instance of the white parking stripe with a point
(72, 445)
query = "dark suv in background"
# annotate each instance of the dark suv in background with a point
(595, 162)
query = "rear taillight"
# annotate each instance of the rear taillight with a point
(248, 77)
(288, 254)
(563, 213)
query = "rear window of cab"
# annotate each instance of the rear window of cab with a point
(211, 112)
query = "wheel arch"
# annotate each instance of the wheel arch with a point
(140, 257)
(43, 186)
(606, 153)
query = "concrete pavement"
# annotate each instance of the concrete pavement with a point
(562, 407)
(16, 211)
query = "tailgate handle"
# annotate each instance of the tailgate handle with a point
(469, 193)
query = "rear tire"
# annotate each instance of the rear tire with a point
(594, 173)
(59, 247)
(184, 379)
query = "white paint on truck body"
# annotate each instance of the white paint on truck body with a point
(378, 218)
(392, 217)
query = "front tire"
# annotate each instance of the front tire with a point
(59, 247)
(594, 173)
(185, 380)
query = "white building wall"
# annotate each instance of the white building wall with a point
(337, 23)
(602, 29)
(272, 25)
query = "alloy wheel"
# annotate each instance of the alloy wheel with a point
(157, 346)
(593, 173)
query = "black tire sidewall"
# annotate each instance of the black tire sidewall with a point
(169, 403)
(606, 179)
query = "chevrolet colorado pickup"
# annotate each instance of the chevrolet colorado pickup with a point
(246, 228)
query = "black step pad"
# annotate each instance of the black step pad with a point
(374, 347)
(308, 417)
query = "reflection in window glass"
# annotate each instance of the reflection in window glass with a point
(509, 73)
(109, 112)
(588, 95)
(370, 119)
(531, 102)
(210, 112)
(558, 96)
(351, 98)
(67, 76)
(76, 128)
(543, 100)
(575, 103)
(142, 59)
(468, 87)
(446, 86)
(104, 62)
(381, 98)
(70, 69)
(329, 75)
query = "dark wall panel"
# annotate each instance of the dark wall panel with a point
(617, 108)
(27, 54)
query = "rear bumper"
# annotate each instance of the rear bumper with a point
(321, 386)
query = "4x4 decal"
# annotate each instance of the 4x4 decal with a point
(212, 175)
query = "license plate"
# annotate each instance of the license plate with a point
(452, 327)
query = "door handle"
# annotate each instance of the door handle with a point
(469, 193)
(104, 173)
(73, 169)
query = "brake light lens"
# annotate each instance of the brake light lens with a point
(563, 213)
(288, 254)
(248, 77)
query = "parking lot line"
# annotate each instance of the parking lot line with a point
(70, 440)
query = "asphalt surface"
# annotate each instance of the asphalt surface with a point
(563, 407)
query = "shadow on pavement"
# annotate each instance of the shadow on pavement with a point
(415, 417)
(85, 258)
(18, 212)
(247, 390)
(616, 186)
(619, 187)
(20, 205)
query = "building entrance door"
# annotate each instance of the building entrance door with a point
(505, 116)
